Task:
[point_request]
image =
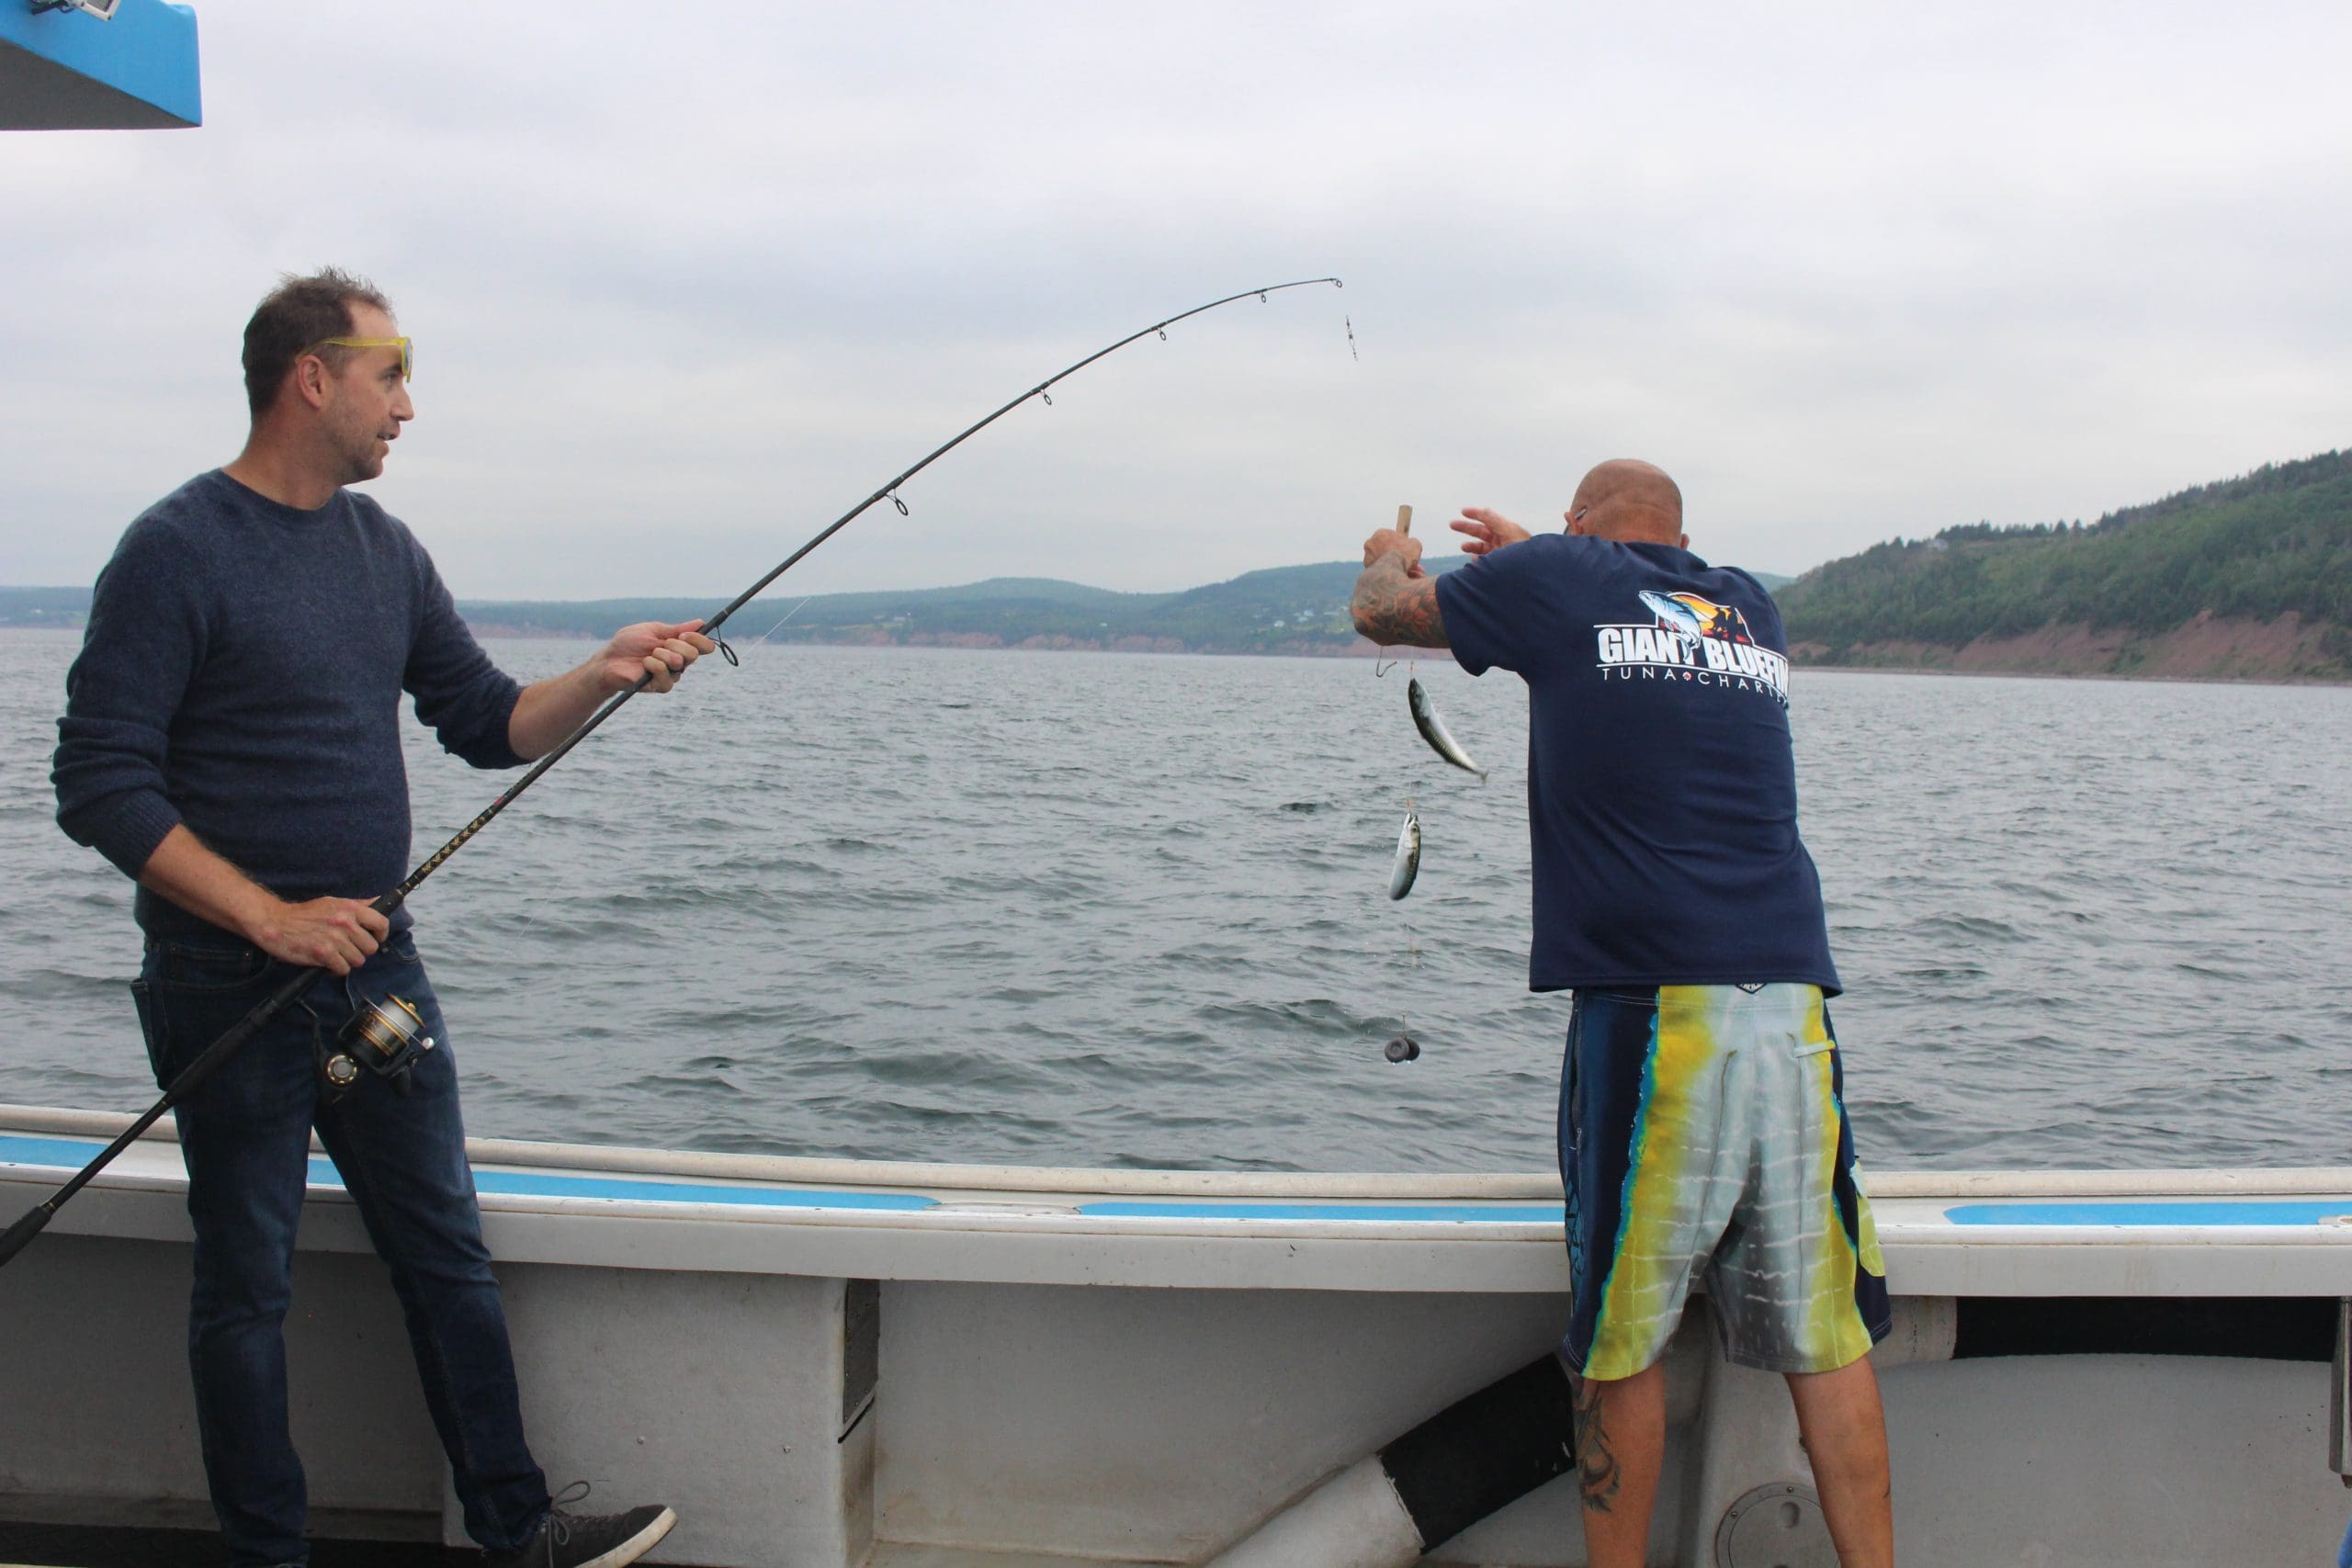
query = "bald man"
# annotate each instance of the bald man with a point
(1703, 1134)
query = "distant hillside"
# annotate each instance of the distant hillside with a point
(2250, 578)
(992, 600)
(1293, 609)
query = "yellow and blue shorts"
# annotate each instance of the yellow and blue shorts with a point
(1704, 1139)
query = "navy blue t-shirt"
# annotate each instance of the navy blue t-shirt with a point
(1661, 787)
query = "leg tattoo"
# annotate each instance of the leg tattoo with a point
(1597, 1475)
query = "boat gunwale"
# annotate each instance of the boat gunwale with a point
(1474, 1186)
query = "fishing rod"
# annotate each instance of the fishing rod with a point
(387, 1037)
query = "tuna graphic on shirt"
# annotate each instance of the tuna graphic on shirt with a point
(1694, 616)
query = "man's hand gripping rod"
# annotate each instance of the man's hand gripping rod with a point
(15, 1239)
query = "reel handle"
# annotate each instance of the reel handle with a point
(1404, 521)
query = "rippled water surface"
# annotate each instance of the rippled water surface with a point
(1053, 908)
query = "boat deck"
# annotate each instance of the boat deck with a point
(25, 1545)
(116, 1546)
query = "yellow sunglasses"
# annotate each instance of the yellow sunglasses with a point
(408, 353)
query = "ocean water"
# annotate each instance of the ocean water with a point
(1131, 910)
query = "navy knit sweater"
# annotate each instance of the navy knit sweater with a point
(241, 673)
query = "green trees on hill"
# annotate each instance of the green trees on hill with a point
(1282, 609)
(2253, 548)
(1294, 609)
(2250, 549)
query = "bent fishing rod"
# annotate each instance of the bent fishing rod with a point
(387, 1041)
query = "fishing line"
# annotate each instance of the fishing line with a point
(1408, 842)
(1404, 1048)
(779, 626)
(393, 1052)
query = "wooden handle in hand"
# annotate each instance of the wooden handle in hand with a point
(1405, 520)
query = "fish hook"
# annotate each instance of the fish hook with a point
(1380, 670)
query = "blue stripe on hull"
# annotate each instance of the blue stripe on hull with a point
(71, 1154)
(1457, 1213)
(2220, 1213)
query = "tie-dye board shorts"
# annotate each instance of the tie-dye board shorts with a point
(1704, 1139)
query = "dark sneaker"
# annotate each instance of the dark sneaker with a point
(566, 1539)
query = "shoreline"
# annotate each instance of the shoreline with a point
(2075, 675)
(1361, 649)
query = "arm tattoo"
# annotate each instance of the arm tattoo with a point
(1597, 1475)
(1390, 607)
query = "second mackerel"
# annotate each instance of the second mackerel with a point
(1407, 865)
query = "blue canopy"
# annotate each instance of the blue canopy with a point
(65, 69)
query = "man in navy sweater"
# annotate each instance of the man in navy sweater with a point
(1702, 1123)
(232, 741)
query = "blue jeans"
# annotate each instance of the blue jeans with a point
(244, 1133)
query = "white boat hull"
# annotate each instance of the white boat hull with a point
(831, 1363)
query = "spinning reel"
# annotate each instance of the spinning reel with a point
(386, 1037)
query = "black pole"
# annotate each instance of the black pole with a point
(15, 1239)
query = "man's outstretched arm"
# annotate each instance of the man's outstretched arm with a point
(1395, 602)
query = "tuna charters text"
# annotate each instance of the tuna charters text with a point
(1655, 653)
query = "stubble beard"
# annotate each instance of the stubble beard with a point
(361, 462)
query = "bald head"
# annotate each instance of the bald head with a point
(1628, 499)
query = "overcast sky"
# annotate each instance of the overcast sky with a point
(689, 280)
